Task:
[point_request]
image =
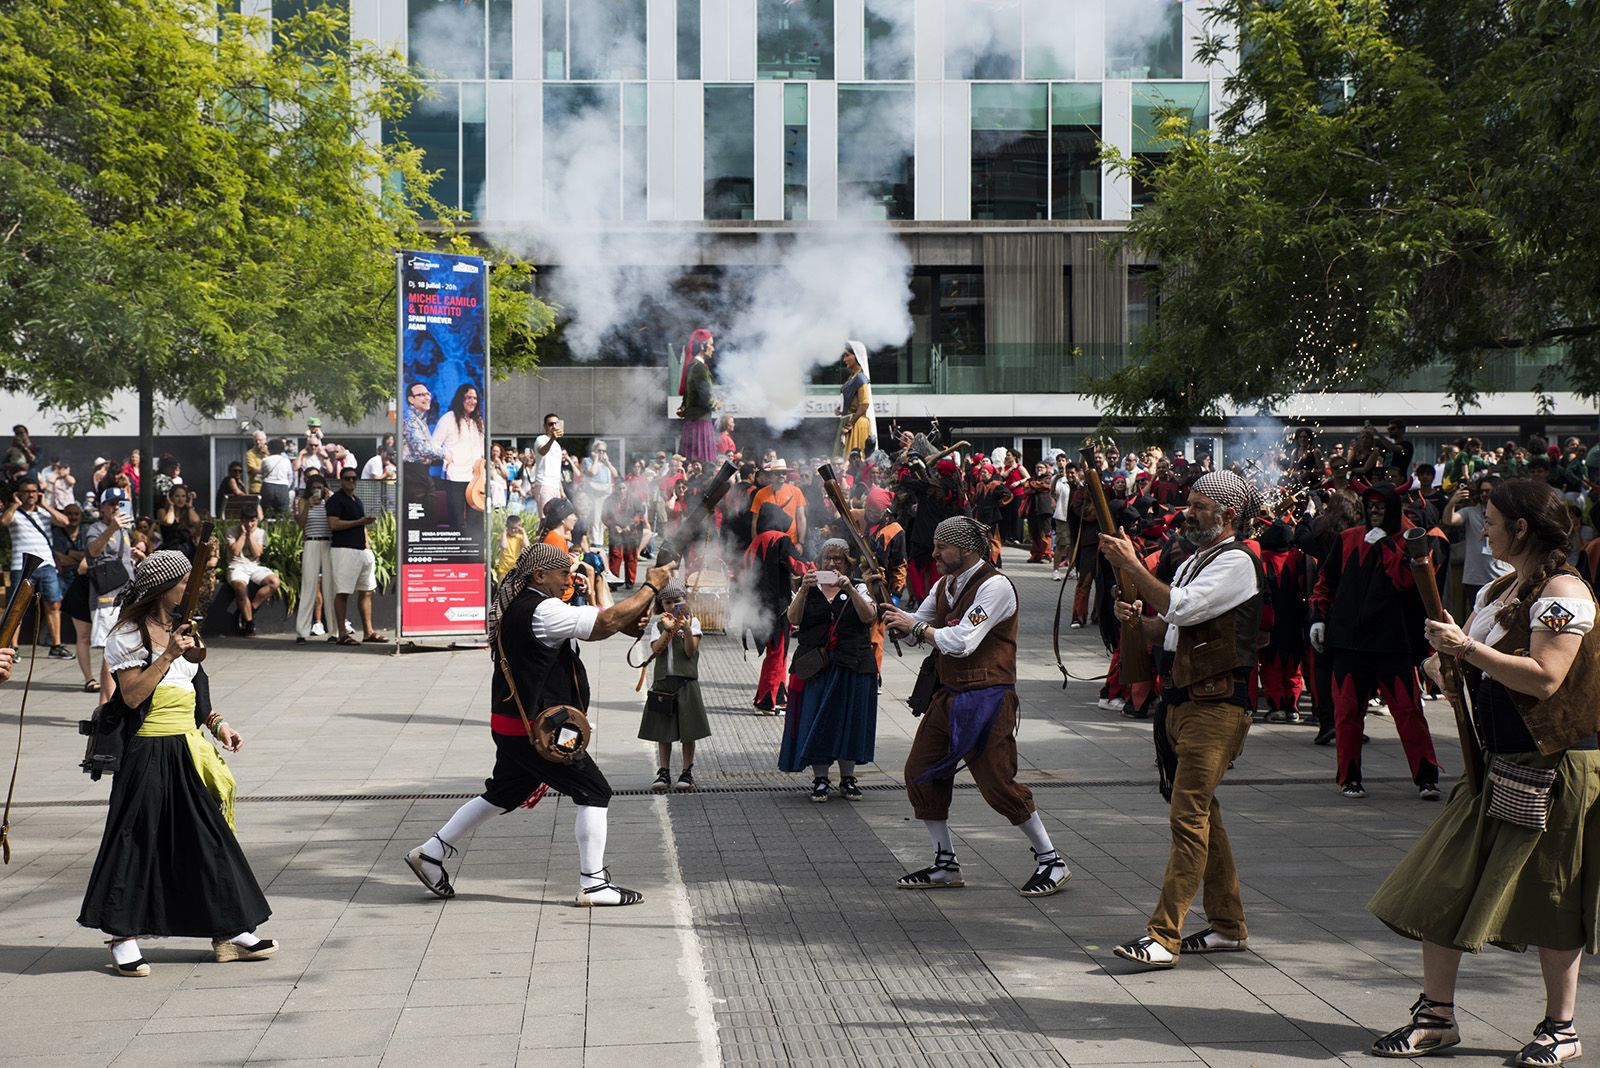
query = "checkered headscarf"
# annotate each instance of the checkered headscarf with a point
(154, 573)
(1230, 491)
(963, 532)
(540, 556)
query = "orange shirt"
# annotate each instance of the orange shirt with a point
(559, 540)
(785, 495)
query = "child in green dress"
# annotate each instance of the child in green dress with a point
(676, 712)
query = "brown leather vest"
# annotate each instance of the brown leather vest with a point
(1572, 713)
(1224, 644)
(994, 661)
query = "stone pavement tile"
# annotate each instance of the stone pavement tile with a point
(162, 1050)
(656, 1053)
(466, 1051)
(225, 1001)
(447, 962)
(344, 1033)
(494, 990)
(640, 1019)
(318, 1062)
(549, 1057)
(555, 1025)
(446, 1021)
(1100, 1047)
(54, 1035)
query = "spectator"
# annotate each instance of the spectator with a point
(179, 521)
(1478, 565)
(60, 487)
(233, 485)
(499, 476)
(513, 539)
(600, 477)
(625, 521)
(316, 564)
(130, 469)
(726, 447)
(246, 543)
(547, 461)
(379, 468)
(169, 473)
(459, 437)
(312, 457)
(21, 452)
(111, 541)
(253, 459)
(277, 476)
(776, 489)
(30, 519)
(354, 567)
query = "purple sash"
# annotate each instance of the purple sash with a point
(971, 714)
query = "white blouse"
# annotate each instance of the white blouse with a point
(1556, 615)
(125, 649)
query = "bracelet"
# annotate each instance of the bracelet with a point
(917, 631)
(216, 731)
(1466, 650)
(654, 591)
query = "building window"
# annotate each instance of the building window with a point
(434, 126)
(1050, 43)
(635, 151)
(283, 10)
(689, 40)
(947, 308)
(876, 151)
(554, 22)
(730, 152)
(582, 153)
(983, 40)
(474, 147)
(1144, 39)
(890, 33)
(794, 39)
(1010, 142)
(1075, 150)
(796, 150)
(1160, 114)
(606, 40)
(446, 37)
(501, 41)
(1142, 301)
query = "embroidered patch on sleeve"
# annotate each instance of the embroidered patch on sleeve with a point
(977, 615)
(1556, 617)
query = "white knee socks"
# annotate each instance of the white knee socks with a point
(468, 818)
(126, 951)
(590, 827)
(939, 834)
(1038, 837)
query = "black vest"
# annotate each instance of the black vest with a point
(852, 639)
(545, 675)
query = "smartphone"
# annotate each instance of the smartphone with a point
(682, 611)
(829, 577)
(125, 506)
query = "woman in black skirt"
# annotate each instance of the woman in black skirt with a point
(169, 864)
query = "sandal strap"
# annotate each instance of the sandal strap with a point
(944, 860)
(449, 850)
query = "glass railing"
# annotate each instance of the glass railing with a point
(1024, 368)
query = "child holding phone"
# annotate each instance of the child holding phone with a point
(674, 710)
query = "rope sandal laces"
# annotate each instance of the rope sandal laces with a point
(417, 858)
(943, 860)
(586, 897)
(1429, 1031)
(1042, 884)
(1554, 1042)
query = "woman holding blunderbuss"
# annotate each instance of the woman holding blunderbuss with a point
(169, 864)
(1517, 863)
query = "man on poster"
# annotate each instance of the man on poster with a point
(420, 453)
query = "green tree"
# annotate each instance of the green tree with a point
(1391, 186)
(193, 205)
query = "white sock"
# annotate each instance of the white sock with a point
(468, 818)
(1038, 837)
(939, 834)
(125, 951)
(847, 768)
(247, 939)
(590, 826)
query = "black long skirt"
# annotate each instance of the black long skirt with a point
(169, 864)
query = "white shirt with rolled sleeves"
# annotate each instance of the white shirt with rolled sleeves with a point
(1226, 583)
(996, 602)
(554, 621)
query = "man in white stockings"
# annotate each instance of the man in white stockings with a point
(970, 619)
(538, 635)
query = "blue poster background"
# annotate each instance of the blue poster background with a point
(443, 416)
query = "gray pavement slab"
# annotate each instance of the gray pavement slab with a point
(771, 933)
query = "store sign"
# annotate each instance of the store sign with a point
(444, 440)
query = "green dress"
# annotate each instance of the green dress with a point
(677, 673)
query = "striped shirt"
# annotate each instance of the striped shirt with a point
(317, 522)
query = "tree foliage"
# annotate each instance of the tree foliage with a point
(204, 198)
(1391, 186)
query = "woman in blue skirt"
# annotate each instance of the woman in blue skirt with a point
(833, 687)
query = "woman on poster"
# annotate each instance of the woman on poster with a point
(460, 436)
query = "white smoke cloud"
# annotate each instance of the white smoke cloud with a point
(448, 39)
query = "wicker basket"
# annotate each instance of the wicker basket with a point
(708, 600)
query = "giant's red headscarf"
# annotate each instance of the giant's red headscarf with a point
(696, 345)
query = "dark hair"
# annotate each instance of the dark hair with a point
(1549, 531)
(275, 446)
(549, 416)
(168, 464)
(458, 406)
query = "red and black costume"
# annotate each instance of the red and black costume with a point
(936, 501)
(769, 563)
(1283, 618)
(1367, 600)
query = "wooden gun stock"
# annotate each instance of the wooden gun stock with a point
(1136, 665)
(190, 612)
(858, 542)
(696, 517)
(1416, 542)
(17, 604)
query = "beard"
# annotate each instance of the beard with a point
(1198, 535)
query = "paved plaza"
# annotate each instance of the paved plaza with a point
(771, 932)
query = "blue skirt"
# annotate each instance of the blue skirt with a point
(833, 716)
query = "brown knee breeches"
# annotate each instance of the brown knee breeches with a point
(994, 768)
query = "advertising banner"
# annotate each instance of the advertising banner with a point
(444, 415)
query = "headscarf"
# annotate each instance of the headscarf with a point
(695, 346)
(963, 532)
(155, 572)
(536, 557)
(878, 497)
(1230, 491)
(860, 351)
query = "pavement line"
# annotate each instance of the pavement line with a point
(690, 963)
